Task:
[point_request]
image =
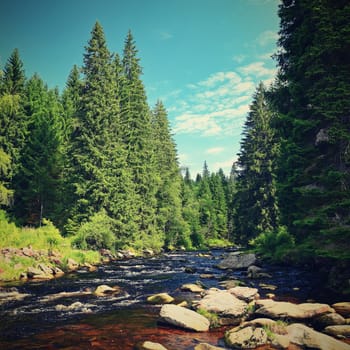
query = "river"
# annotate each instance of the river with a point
(43, 321)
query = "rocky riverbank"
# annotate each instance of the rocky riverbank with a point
(255, 321)
(28, 263)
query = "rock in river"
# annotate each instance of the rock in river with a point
(237, 260)
(307, 337)
(161, 298)
(184, 318)
(277, 309)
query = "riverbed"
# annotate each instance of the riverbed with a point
(81, 320)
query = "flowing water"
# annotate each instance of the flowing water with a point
(45, 319)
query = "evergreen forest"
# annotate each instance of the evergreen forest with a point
(101, 165)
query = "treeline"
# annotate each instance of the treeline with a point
(98, 162)
(293, 182)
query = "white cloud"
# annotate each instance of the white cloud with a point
(258, 70)
(215, 150)
(267, 37)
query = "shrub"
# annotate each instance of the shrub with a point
(274, 244)
(97, 233)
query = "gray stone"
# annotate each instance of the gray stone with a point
(342, 308)
(184, 318)
(222, 303)
(247, 338)
(342, 331)
(278, 309)
(244, 293)
(237, 260)
(307, 337)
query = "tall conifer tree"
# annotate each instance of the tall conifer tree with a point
(136, 134)
(97, 169)
(256, 209)
(169, 214)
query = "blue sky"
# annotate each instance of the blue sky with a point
(202, 58)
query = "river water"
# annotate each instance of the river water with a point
(47, 320)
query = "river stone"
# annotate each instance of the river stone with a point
(72, 265)
(244, 293)
(104, 290)
(228, 284)
(247, 338)
(35, 273)
(278, 309)
(192, 287)
(307, 337)
(184, 318)
(342, 308)
(161, 298)
(338, 330)
(206, 346)
(237, 260)
(257, 272)
(222, 303)
(330, 319)
(149, 345)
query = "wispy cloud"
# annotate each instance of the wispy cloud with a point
(218, 105)
(267, 37)
(257, 69)
(215, 150)
(164, 35)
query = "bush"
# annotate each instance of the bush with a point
(274, 244)
(97, 233)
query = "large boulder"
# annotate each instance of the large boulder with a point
(281, 309)
(224, 304)
(246, 338)
(237, 261)
(307, 337)
(244, 293)
(184, 318)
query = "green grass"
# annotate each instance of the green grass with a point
(46, 239)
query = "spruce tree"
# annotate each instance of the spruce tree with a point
(136, 134)
(169, 211)
(13, 119)
(313, 98)
(190, 210)
(256, 209)
(5, 193)
(97, 170)
(38, 181)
